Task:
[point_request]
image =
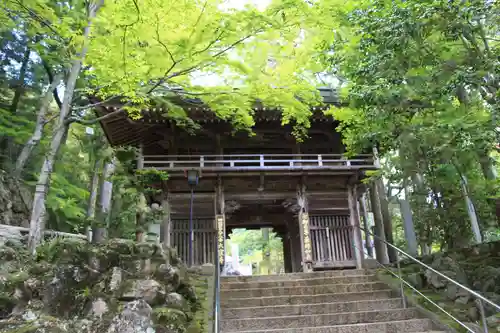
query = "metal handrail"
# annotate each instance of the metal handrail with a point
(403, 282)
(216, 305)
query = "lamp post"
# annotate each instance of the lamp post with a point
(192, 177)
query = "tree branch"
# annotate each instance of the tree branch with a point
(174, 62)
(37, 17)
(203, 63)
(95, 120)
(81, 121)
(89, 106)
(51, 78)
(211, 43)
(199, 19)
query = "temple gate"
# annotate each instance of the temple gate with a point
(307, 191)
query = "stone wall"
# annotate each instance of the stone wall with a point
(477, 267)
(117, 287)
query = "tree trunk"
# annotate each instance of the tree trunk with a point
(99, 230)
(38, 132)
(94, 187)
(487, 165)
(38, 211)
(378, 230)
(490, 174)
(386, 214)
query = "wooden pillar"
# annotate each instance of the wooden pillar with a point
(219, 150)
(305, 239)
(356, 232)
(378, 230)
(220, 221)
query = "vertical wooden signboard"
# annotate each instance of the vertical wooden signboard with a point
(221, 237)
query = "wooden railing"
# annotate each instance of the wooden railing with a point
(255, 162)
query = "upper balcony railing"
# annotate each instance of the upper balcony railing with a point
(257, 162)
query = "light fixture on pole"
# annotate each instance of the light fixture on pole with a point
(193, 177)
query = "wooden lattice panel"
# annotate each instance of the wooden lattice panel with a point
(204, 245)
(331, 238)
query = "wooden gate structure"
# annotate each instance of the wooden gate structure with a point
(308, 191)
(332, 237)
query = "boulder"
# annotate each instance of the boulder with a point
(134, 318)
(175, 301)
(473, 313)
(116, 278)
(207, 269)
(169, 275)
(416, 280)
(463, 299)
(450, 267)
(435, 280)
(494, 321)
(171, 320)
(13, 236)
(454, 292)
(150, 291)
(98, 308)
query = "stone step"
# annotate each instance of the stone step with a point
(317, 320)
(310, 309)
(305, 299)
(305, 290)
(403, 326)
(315, 281)
(296, 276)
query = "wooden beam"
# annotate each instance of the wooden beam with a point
(246, 196)
(238, 172)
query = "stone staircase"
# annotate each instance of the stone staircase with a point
(346, 301)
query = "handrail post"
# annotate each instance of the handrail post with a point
(401, 285)
(261, 157)
(483, 314)
(202, 161)
(216, 305)
(320, 160)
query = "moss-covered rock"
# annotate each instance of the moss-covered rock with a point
(168, 320)
(73, 286)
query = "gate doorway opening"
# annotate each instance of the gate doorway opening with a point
(257, 251)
